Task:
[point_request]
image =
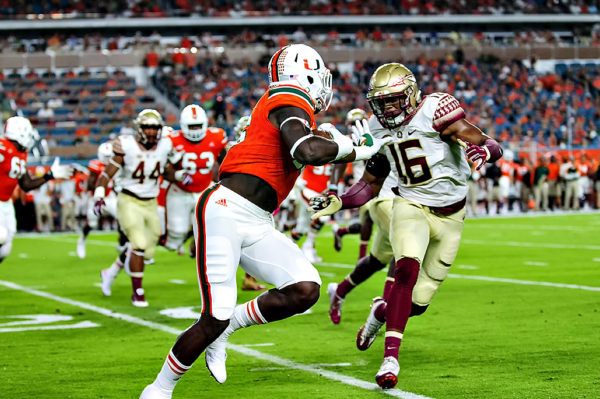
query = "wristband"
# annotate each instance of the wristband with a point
(345, 146)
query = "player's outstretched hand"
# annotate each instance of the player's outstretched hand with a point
(365, 144)
(325, 205)
(59, 171)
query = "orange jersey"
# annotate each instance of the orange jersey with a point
(263, 153)
(97, 167)
(12, 167)
(199, 157)
(317, 177)
(507, 167)
(163, 186)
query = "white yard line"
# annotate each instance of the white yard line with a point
(531, 244)
(236, 348)
(534, 263)
(525, 282)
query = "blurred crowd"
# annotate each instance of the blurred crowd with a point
(228, 8)
(364, 37)
(507, 99)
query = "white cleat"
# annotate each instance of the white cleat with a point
(107, 281)
(81, 247)
(368, 332)
(215, 356)
(311, 254)
(387, 376)
(154, 392)
(138, 300)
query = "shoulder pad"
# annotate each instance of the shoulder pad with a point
(447, 111)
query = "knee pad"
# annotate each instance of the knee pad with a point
(407, 271)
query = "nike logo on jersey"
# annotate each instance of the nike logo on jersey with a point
(222, 201)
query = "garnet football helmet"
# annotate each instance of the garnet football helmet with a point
(301, 63)
(148, 118)
(19, 129)
(392, 82)
(194, 122)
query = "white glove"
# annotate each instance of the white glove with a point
(60, 171)
(365, 144)
(344, 143)
(325, 205)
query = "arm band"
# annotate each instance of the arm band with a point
(291, 118)
(298, 142)
(357, 195)
(118, 165)
(494, 150)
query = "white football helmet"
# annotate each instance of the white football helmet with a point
(193, 122)
(241, 124)
(105, 152)
(19, 129)
(304, 65)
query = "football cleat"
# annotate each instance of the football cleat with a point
(138, 300)
(107, 281)
(81, 247)
(368, 332)
(335, 303)
(216, 356)
(154, 392)
(337, 239)
(387, 376)
(311, 254)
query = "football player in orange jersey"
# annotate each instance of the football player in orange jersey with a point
(19, 137)
(201, 147)
(235, 222)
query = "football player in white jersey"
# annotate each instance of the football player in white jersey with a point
(428, 212)
(139, 160)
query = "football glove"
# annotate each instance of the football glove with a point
(479, 155)
(344, 143)
(325, 205)
(365, 144)
(183, 177)
(99, 204)
(58, 171)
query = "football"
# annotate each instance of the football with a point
(322, 133)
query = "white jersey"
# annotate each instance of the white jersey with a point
(430, 171)
(142, 167)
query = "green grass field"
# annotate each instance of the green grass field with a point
(518, 318)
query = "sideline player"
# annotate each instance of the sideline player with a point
(19, 137)
(235, 222)
(140, 159)
(429, 209)
(96, 167)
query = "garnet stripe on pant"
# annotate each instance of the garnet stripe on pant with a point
(201, 250)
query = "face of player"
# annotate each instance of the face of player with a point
(18, 146)
(151, 135)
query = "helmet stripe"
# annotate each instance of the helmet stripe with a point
(274, 73)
